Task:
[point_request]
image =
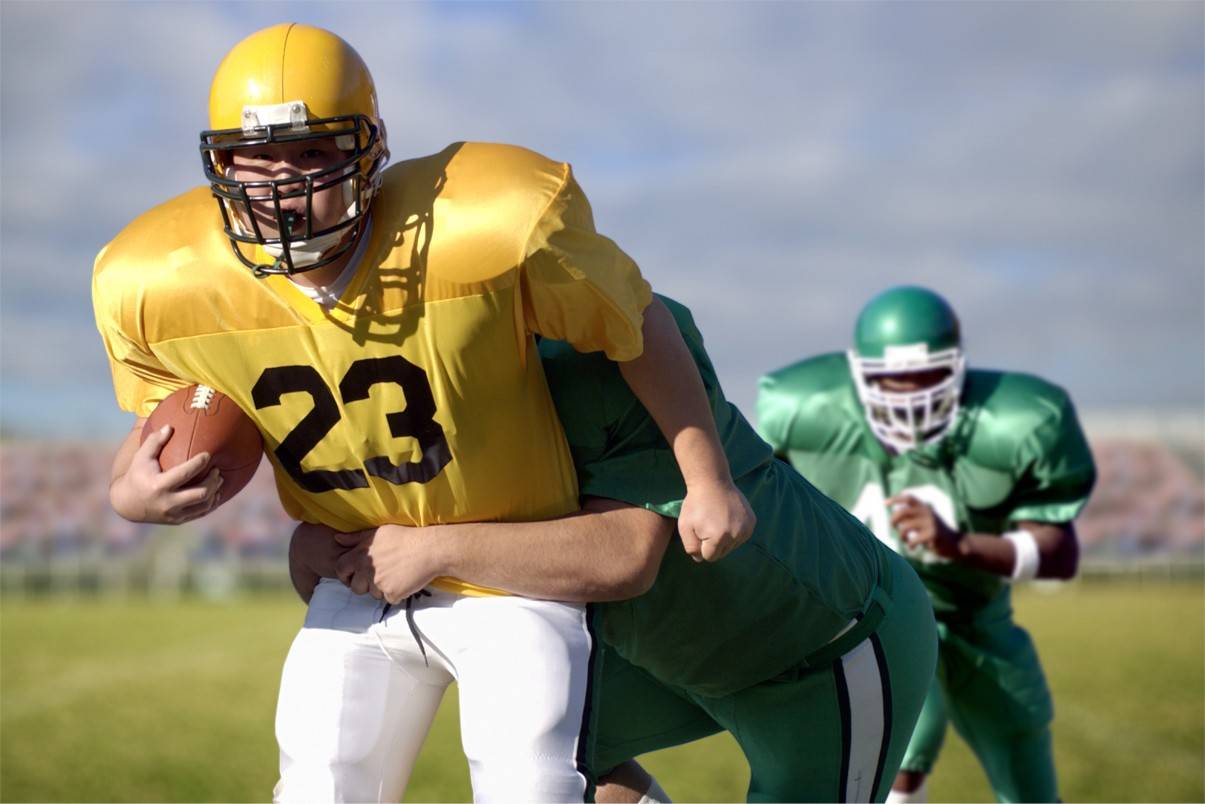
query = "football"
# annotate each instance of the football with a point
(204, 419)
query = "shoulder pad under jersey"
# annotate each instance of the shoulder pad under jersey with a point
(173, 251)
(480, 207)
(180, 231)
(1005, 409)
(810, 405)
(489, 170)
(1025, 428)
(173, 257)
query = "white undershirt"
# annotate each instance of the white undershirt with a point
(328, 295)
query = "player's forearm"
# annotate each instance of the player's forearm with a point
(667, 382)
(986, 552)
(1057, 550)
(119, 496)
(608, 551)
(304, 580)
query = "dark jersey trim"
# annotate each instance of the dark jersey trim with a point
(846, 725)
(586, 735)
(885, 679)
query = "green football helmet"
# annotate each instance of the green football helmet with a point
(908, 331)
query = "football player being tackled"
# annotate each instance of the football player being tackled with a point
(377, 325)
(975, 477)
(812, 643)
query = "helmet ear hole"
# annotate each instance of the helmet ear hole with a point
(383, 136)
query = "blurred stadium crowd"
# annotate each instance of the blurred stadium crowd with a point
(57, 531)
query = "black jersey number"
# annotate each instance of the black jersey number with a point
(416, 421)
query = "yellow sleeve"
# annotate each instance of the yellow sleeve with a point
(579, 286)
(140, 381)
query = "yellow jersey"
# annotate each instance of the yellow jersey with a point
(419, 397)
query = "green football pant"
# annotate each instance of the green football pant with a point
(990, 685)
(829, 733)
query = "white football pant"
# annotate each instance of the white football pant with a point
(356, 698)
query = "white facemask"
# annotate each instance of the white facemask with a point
(909, 419)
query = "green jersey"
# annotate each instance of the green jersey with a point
(714, 628)
(1016, 452)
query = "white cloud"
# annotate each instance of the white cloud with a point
(771, 164)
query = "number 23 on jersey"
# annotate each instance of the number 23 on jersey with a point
(416, 420)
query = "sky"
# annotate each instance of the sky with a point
(772, 165)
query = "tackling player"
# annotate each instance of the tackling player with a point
(974, 476)
(812, 643)
(377, 326)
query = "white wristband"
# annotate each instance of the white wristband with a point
(1025, 566)
(655, 794)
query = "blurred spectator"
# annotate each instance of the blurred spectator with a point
(54, 505)
(1147, 500)
(54, 502)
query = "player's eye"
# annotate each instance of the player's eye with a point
(255, 157)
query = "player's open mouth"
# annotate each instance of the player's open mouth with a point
(269, 224)
(295, 222)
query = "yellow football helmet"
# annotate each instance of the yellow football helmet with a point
(287, 84)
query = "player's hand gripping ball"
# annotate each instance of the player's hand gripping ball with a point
(206, 420)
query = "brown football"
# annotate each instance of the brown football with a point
(206, 420)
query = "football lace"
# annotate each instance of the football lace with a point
(202, 397)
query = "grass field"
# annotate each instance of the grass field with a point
(147, 701)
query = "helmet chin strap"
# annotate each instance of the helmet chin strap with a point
(308, 252)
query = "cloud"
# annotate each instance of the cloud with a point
(772, 165)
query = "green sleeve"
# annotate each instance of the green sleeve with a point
(809, 406)
(618, 451)
(1026, 434)
(776, 411)
(579, 391)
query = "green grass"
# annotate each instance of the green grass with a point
(161, 701)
